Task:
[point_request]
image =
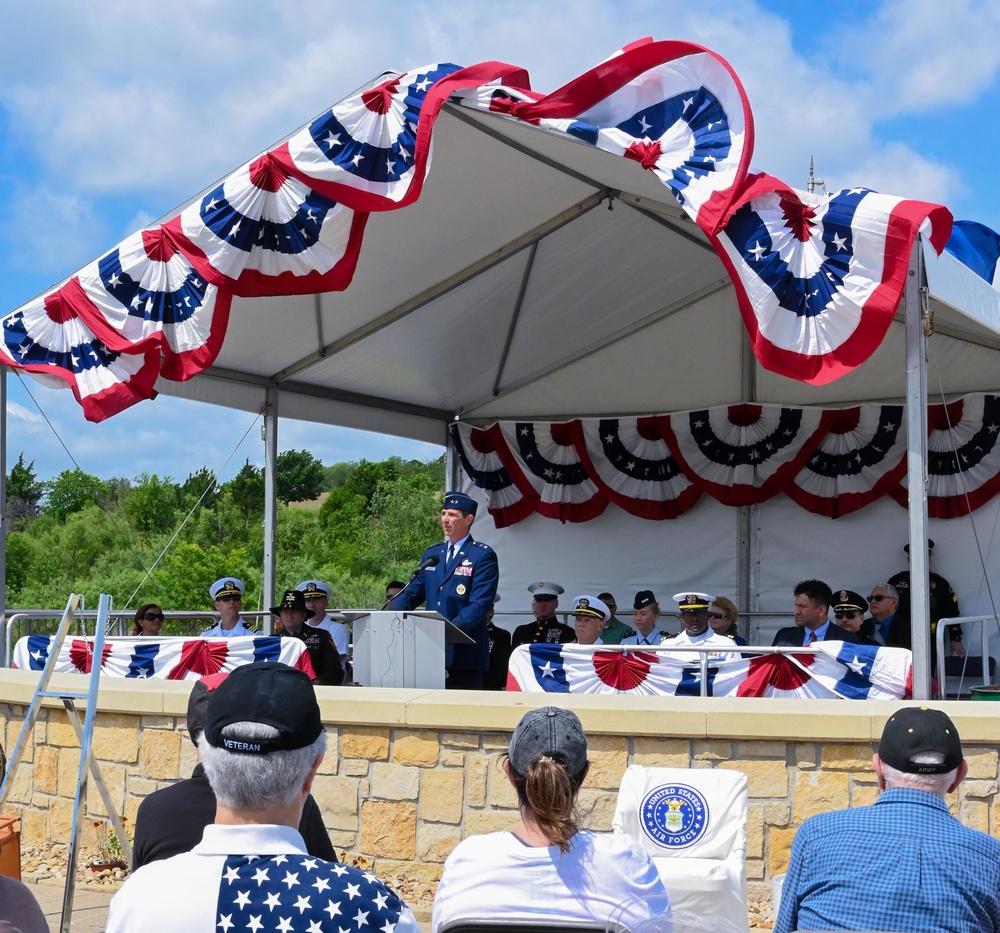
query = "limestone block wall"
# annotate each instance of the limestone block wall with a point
(410, 773)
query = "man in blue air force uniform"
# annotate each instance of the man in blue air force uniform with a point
(462, 586)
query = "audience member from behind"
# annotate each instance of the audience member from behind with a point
(614, 629)
(148, 620)
(849, 613)
(327, 664)
(19, 911)
(645, 613)
(548, 868)
(262, 745)
(723, 616)
(227, 594)
(589, 616)
(904, 863)
(171, 820)
(812, 618)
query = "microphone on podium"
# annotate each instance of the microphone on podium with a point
(432, 561)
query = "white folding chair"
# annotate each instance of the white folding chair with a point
(693, 824)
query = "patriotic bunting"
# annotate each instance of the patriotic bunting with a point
(630, 463)
(819, 278)
(963, 456)
(676, 108)
(742, 454)
(475, 449)
(831, 462)
(834, 670)
(145, 658)
(861, 458)
(544, 463)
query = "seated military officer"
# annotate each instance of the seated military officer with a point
(589, 615)
(546, 627)
(323, 653)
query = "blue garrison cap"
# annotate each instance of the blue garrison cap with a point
(459, 500)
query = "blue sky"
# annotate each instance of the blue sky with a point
(112, 113)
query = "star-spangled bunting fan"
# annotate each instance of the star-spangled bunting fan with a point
(171, 658)
(963, 456)
(818, 279)
(741, 454)
(837, 670)
(301, 894)
(830, 461)
(861, 458)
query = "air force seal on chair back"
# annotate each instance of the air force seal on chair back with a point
(675, 816)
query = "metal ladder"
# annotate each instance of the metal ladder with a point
(85, 735)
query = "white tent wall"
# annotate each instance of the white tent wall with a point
(700, 551)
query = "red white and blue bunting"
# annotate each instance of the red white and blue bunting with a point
(161, 658)
(818, 279)
(831, 462)
(833, 670)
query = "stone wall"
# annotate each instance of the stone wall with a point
(410, 773)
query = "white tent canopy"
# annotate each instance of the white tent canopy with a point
(541, 278)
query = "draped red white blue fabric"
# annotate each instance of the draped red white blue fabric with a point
(819, 278)
(292, 221)
(145, 658)
(742, 454)
(963, 456)
(861, 458)
(830, 461)
(830, 670)
(676, 108)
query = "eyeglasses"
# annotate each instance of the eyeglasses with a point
(844, 615)
(153, 616)
(877, 598)
(230, 599)
(718, 615)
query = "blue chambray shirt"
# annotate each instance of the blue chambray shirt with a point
(904, 863)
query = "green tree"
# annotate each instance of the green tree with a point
(300, 476)
(151, 505)
(201, 486)
(72, 491)
(404, 521)
(246, 489)
(23, 493)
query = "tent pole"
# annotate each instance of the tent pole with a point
(916, 474)
(270, 432)
(747, 516)
(3, 495)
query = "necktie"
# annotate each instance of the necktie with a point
(451, 557)
(810, 637)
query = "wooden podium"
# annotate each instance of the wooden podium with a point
(402, 649)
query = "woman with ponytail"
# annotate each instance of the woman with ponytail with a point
(547, 866)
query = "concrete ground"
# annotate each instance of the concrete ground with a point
(90, 907)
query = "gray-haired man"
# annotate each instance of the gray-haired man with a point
(261, 748)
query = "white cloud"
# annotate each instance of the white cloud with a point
(925, 54)
(49, 231)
